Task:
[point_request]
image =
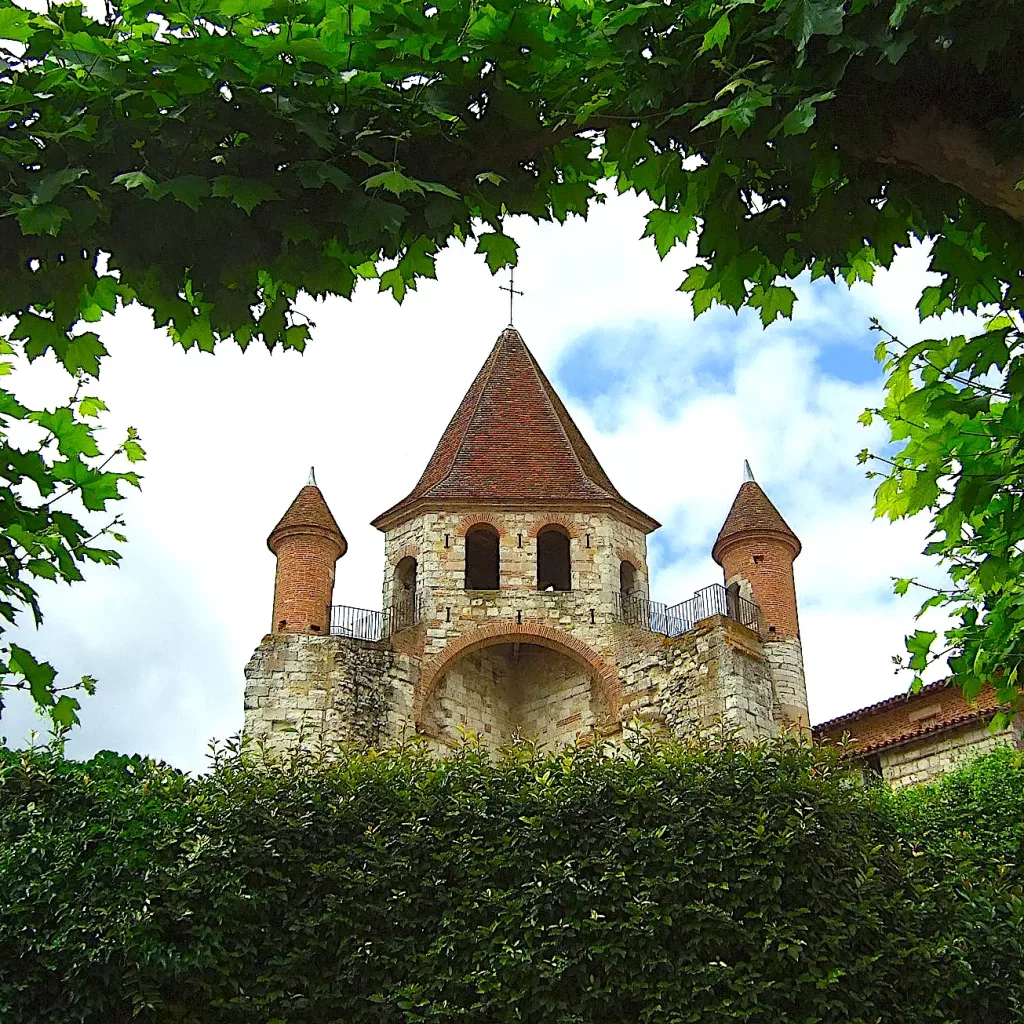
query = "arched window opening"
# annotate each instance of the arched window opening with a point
(554, 569)
(403, 592)
(732, 601)
(482, 563)
(627, 579)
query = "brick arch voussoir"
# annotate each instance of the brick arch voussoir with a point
(606, 677)
(565, 522)
(409, 551)
(629, 555)
(481, 519)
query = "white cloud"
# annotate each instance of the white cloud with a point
(230, 440)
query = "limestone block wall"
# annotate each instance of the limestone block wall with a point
(335, 690)
(712, 678)
(932, 756)
(598, 543)
(327, 690)
(786, 663)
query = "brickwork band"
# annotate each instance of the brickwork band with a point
(304, 581)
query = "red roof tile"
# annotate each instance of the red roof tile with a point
(935, 708)
(752, 512)
(512, 441)
(308, 509)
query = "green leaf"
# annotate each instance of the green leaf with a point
(809, 18)
(15, 24)
(42, 220)
(135, 179)
(668, 227)
(393, 181)
(716, 35)
(773, 301)
(801, 117)
(245, 193)
(500, 250)
(51, 185)
(38, 674)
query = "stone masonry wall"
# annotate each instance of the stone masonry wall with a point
(710, 679)
(932, 756)
(327, 691)
(786, 663)
(598, 544)
(333, 690)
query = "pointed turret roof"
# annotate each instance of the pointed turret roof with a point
(308, 511)
(512, 442)
(752, 512)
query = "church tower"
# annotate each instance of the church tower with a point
(516, 601)
(520, 547)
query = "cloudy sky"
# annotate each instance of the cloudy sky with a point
(670, 406)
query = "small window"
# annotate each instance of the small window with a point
(482, 562)
(627, 579)
(403, 592)
(554, 569)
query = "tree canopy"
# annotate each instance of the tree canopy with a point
(210, 159)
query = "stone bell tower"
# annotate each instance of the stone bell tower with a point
(516, 601)
(518, 544)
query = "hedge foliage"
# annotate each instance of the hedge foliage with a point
(676, 884)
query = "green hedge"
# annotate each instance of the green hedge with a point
(680, 884)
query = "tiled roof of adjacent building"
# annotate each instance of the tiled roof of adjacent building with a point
(308, 509)
(905, 717)
(512, 442)
(752, 511)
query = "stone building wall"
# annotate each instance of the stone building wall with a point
(327, 691)
(934, 755)
(598, 543)
(786, 663)
(712, 679)
(332, 690)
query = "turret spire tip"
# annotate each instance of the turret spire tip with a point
(748, 473)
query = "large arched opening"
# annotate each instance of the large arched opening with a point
(529, 682)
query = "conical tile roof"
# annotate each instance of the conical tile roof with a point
(752, 512)
(308, 510)
(512, 442)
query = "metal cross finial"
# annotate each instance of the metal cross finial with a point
(512, 290)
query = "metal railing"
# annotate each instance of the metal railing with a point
(366, 624)
(675, 619)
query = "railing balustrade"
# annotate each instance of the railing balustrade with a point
(366, 624)
(675, 619)
(669, 620)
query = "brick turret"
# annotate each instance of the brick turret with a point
(756, 549)
(307, 543)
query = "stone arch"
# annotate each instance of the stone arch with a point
(554, 558)
(629, 555)
(409, 551)
(565, 522)
(480, 519)
(606, 677)
(482, 561)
